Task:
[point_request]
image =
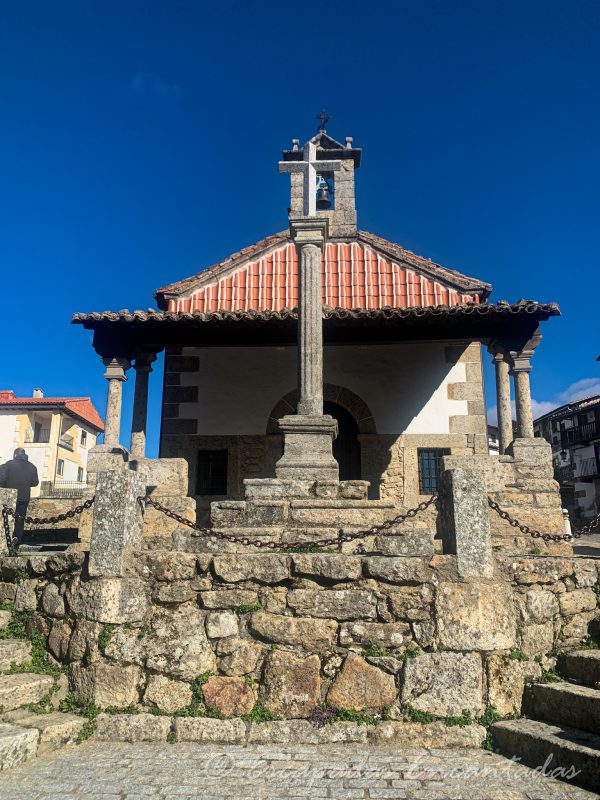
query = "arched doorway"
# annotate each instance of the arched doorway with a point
(355, 423)
(346, 446)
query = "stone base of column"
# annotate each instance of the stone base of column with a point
(307, 448)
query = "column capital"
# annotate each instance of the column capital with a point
(520, 357)
(309, 230)
(116, 368)
(498, 350)
(144, 361)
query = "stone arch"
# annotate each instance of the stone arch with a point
(354, 404)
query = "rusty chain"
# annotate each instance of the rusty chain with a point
(199, 530)
(260, 543)
(11, 512)
(547, 537)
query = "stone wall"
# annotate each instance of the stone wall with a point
(297, 635)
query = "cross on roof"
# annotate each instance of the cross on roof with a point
(324, 119)
(310, 168)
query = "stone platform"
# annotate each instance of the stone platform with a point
(189, 771)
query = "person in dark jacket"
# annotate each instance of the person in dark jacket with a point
(19, 474)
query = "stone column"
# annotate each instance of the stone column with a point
(310, 331)
(505, 426)
(520, 372)
(520, 367)
(309, 434)
(115, 375)
(143, 368)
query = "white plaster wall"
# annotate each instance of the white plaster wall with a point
(8, 424)
(404, 385)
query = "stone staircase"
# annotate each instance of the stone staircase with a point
(24, 731)
(562, 727)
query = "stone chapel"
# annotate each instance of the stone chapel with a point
(321, 353)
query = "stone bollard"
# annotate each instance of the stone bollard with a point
(465, 521)
(117, 521)
(567, 521)
(8, 497)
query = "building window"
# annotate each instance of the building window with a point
(80, 474)
(60, 467)
(83, 438)
(430, 467)
(212, 472)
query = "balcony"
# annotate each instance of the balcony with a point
(67, 442)
(37, 437)
(586, 469)
(580, 434)
(564, 474)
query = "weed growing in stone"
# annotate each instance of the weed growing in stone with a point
(16, 627)
(132, 709)
(518, 655)
(73, 705)
(143, 631)
(259, 713)
(419, 716)
(248, 608)
(372, 649)
(171, 737)
(104, 637)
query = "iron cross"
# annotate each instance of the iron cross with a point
(310, 168)
(324, 118)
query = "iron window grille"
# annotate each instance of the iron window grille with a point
(430, 467)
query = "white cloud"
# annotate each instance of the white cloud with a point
(145, 83)
(586, 387)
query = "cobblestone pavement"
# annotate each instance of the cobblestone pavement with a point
(107, 771)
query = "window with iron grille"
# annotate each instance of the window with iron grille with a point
(430, 467)
(212, 472)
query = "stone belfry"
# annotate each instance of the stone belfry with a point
(342, 214)
(322, 207)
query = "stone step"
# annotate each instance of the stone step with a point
(281, 514)
(554, 747)
(55, 729)
(14, 650)
(564, 704)
(582, 666)
(23, 688)
(16, 745)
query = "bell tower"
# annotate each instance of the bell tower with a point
(334, 190)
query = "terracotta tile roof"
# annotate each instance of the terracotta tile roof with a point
(367, 272)
(523, 307)
(80, 407)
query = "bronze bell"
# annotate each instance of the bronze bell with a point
(323, 201)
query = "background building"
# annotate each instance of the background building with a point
(57, 434)
(573, 430)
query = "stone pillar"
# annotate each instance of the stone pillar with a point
(505, 426)
(143, 368)
(520, 367)
(309, 434)
(117, 521)
(115, 375)
(520, 375)
(465, 521)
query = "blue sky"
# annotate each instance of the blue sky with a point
(139, 143)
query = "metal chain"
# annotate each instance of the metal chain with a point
(6, 510)
(6, 526)
(547, 537)
(342, 537)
